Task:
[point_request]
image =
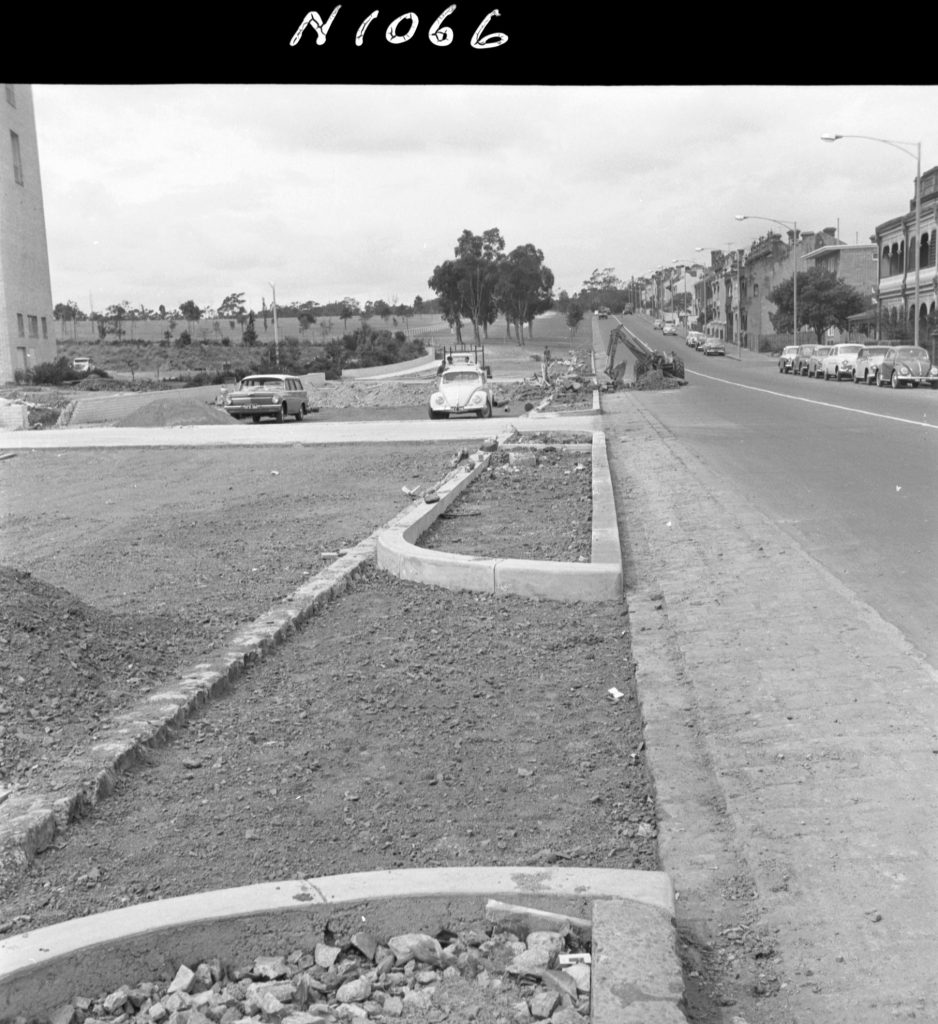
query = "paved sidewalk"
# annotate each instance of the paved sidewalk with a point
(772, 692)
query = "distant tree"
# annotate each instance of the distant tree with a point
(249, 334)
(446, 283)
(232, 307)
(525, 287)
(575, 316)
(478, 258)
(418, 305)
(69, 312)
(824, 301)
(190, 313)
(563, 301)
(347, 309)
(116, 314)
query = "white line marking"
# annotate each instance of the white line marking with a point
(814, 401)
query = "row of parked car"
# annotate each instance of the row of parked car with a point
(894, 366)
(709, 346)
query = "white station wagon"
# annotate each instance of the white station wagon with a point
(268, 394)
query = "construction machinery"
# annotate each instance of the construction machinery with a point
(646, 358)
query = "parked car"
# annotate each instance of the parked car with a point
(869, 360)
(799, 365)
(787, 358)
(669, 329)
(695, 339)
(657, 325)
(907, 364)
(840, 361)
(713, 347)
(82, 364)
(815, 360)
(603, 312)
(461, 389)
(268, 394)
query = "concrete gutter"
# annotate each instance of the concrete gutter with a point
(600, 579)
(636, 973)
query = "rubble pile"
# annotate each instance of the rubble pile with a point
(372, 394)
(481, 976)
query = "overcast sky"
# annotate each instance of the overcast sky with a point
(163, 193)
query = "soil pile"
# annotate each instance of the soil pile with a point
(176, 412)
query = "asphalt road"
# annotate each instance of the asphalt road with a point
(849, 471)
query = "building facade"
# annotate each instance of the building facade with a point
(27, 335)
(856, 265)
(770, 261)
(900, 252)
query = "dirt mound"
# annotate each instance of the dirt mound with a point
(64, 666)
(176, 412)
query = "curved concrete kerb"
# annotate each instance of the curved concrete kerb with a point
(44, 969)
(600, 579)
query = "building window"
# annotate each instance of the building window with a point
(17, 158)
(11, 94)
(20, 325)
(34, 326)
(45, 328)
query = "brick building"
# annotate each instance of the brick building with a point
(857, 265)
(27, 336)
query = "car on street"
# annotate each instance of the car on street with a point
(657, 325)
(461, 389)
(815, 360)
(907, 364)
(787, 358)
(840, 361)
(695, 339)
(669, 329)
(713, 347)
(603, 312)
(276, 395)
(799, 366)
(869, 360)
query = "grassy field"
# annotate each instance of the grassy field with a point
(215, 346)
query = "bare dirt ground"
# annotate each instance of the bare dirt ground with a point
(403, 726)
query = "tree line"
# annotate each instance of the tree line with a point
(119, 319)
(484, 282)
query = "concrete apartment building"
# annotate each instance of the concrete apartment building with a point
(27, 337)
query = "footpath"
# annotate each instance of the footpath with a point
(793, 735)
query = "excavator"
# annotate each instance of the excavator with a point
(646, 358)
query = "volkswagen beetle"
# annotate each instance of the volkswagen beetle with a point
(461, 389)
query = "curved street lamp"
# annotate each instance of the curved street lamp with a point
(917, 157)
(794, 265)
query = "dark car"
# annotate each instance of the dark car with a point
(803, 353)
(907, 364)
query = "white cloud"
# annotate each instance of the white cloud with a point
(200, 190)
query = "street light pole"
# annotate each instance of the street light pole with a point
(917, 156)
(276, 337)
(794, 265)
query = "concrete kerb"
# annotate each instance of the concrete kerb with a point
(600, 579)
(636, 970)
